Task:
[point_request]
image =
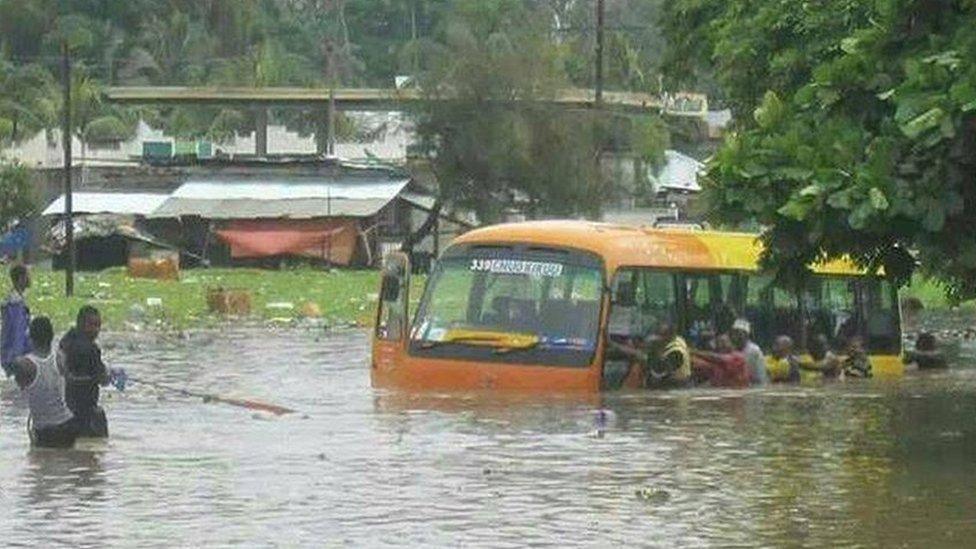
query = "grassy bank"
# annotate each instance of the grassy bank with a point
(341, 297)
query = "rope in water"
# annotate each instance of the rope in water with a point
(243, 403)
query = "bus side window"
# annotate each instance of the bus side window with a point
(658, 301)
(759, 309)
(726, 301)
(787, 313)
(623, 319)
(644, 298)
(841, 302)
(882, 325)
(698, 321)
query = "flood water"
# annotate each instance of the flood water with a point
(861, 463)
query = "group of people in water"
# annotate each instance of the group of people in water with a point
(733, 359)
(61, 383)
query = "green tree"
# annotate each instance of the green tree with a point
(17, 198)
(857, 133)
(488, 149)
(92, 119)
(27, 103)
(633, 42)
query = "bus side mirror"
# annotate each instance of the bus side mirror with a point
(390, 288)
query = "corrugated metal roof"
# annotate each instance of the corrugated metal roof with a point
(110, 203)
(298, 198)
(283, 189)
(249, 208)
(680, 172)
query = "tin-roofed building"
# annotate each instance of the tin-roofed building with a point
(260, 211)
(316, 217)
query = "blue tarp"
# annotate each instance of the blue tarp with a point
(14, 241)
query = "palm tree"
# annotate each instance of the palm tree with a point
(27, 103)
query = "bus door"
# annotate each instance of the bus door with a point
(640, 300)
(392, 315)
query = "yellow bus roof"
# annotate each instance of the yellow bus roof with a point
(621, 245)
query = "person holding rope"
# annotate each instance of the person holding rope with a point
(83, 369)
(51, 423)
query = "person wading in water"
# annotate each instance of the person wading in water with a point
(52, 424)
(14, 339)
(84, 371)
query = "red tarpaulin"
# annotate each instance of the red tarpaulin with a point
(332, 239)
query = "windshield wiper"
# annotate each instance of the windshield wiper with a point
(500, 341)
(526, 347)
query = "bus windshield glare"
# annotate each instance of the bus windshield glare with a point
(507, 304)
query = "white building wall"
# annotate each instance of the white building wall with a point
(44, 149)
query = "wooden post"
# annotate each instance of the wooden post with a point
(330, 116)
(69, 221)
(437, 237)
(331, 121)
(261, 132)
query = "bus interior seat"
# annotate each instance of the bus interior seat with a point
(500, 311)
(523, 315)
(558, 318)
(588, 313)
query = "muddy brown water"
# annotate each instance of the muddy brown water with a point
(861, 463)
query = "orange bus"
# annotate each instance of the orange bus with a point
(531, 306)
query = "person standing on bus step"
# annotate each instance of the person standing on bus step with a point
(670, 366)
(741, 337)
(15, 322)
(84, 371)
(52, 425)
(666, 362)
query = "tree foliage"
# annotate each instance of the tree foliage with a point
(856, 130)
(17, 197)
(273, 43)
(489, 152)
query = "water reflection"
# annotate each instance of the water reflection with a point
(842, 464)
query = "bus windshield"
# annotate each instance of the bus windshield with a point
(509, 304)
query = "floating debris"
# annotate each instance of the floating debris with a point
(652, 495)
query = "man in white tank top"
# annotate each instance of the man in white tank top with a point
(37, 374)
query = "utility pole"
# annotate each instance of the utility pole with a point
(598, 92)
(330, 146)
(330, 76)
(69, 219)
(261, 131)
